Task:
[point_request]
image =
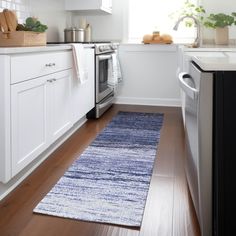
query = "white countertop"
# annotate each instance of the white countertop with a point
(47, 48)
(226, 61)
(140, 47)
(210, 48)
(213, 57)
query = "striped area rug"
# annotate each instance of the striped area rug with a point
(109, 182)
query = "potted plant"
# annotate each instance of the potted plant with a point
(220, 22)
(189, 9)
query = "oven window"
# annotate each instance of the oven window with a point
(103, 75)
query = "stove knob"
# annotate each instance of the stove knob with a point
(114, 46)
(101, 49)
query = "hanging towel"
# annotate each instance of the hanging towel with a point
(115, 77)
(80, 65)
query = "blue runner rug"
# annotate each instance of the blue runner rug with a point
(109, 182)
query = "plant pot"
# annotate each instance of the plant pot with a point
(222, 35)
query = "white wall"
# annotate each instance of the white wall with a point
(53, 14)
(108, 27)
(149, 75)
(114, 27)
(217, 6)
(21, 8)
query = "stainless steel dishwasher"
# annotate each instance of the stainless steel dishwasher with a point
(197, 87)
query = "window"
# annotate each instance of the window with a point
(21, 7)
(146, 16)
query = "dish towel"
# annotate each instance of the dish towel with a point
(115, 77)
(80, 65)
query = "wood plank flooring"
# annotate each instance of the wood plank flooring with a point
(168, 212)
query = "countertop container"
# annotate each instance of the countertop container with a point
(73, 34)
(22, 39)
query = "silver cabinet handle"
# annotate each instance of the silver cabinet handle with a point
(50, 64)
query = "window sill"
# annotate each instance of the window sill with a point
(140, 47)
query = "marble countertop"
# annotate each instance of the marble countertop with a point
(224, 61)
(210, 48)
(212, 57)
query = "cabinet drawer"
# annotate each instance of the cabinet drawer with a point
(29, 66)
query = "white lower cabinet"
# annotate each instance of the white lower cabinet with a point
(28, 122)
(39, 106)
(83, 95)
(59, 94)
(40, 111)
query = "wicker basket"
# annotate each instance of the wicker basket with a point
(22, 39)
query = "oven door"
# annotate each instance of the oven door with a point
(103, 73)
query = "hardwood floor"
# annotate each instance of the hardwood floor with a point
(168, 212)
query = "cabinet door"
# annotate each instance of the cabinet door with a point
(28, 121)
(83, 95)
(107, 4)
(60, 104)
(89, 6)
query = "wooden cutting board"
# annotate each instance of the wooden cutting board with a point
(11, 19)
(3, 22)
(158, 42)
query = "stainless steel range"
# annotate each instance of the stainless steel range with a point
(104, 94)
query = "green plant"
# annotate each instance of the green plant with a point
(189, 9)
(32, 24)
(220, 20)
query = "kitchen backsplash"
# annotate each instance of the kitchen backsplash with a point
(20, 6)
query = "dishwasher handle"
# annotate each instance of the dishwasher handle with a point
(190, 91)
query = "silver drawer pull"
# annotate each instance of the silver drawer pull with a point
(50, 64)
(51, 80)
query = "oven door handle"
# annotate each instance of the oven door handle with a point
(109, 101)
(190, 91)
(104, 57)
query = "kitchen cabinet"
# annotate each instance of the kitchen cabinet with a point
(40, 111)
(41, 104)
(36, 106)
(83, 95)
(29, 122)
(89, 6)
(59, 97)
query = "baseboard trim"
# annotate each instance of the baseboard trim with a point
(149, 101)
(5, 189)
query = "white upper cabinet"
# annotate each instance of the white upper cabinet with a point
(89, 6)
